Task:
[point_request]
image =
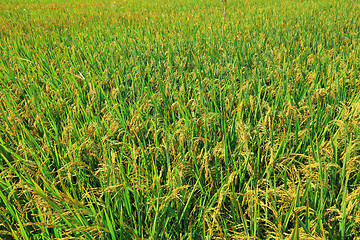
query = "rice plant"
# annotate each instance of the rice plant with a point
(144, 120)
(223, 25)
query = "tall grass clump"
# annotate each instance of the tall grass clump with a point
(143, 121)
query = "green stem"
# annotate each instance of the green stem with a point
(223, 25)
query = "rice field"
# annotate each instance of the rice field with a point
(140, 119)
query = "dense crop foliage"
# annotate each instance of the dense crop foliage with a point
(140, 120)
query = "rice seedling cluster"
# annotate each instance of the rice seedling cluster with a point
(150, 120)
